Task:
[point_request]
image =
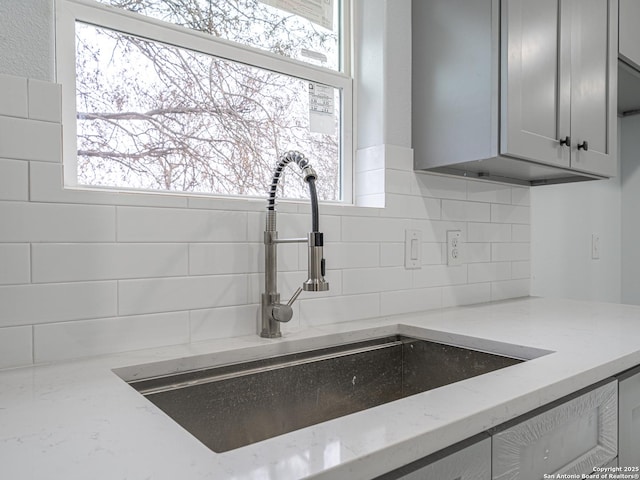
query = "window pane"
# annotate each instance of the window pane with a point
(295, 30)
(155, 116)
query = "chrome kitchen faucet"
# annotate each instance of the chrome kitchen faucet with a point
(274, 312)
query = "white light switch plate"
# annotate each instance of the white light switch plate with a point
(413, 249)
(595, 246)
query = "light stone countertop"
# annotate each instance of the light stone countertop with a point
(79, 420)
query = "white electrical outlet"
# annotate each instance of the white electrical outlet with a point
(454, 247)
(413, 249)
(595, 246)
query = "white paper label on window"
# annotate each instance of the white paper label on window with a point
(316, 11)
(321, 109)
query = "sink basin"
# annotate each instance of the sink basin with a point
(235, 405)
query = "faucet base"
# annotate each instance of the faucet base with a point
(268, 334)
(270, 326)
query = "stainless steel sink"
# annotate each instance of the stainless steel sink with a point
(235, 405)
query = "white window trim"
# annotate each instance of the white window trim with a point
(67, 12)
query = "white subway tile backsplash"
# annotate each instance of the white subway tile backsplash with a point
(45, 101)
(14, 180)
(15, 266)
(436, 231)
(321, 311)
(520, 196)
(370, 158)
(489, 232)
(502, 252)
(72, 262)
(22, 139)
(369, 280)
(399, 181)
(407, 206)
(224, 322)
(370, 182)
(347, 255)
(40, 222)
(375, 200)
(345, 210)
(488, 192)
(224, 203)
(373, 229)
(439, 275)
(521, 233)
(520, 270)
(392, 254)
(86, 271)
(256, 226)
(180, 225)
(16, 347)
(297, 225)
(13, 96)
(439, 186)
(226, 258)
(510, 214)
(465, 211)
(510, 289)
(289, 282)
(432, 253)
(466, 294)
(62, 341)
(489, 272)
(56, 302)
(137, 297)
(476, 252)
(406, 301)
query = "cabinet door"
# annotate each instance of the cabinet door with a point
(571, 438)
(629, 33)
(472, 462)
(629, 422)
(534, 91)
(594, 69)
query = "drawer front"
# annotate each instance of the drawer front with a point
(470, 463)
(612, 464)
(571, 438)
(629, 421)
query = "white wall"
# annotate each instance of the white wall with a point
(563, 220)
(630, 160)
(26, 38)
(84, 272)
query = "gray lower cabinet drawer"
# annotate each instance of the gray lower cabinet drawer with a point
(612, 464)
(468, 462)
(629, 412)
(572, 437)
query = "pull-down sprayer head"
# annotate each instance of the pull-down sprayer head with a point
(316, 265)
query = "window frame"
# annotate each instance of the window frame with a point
(68, 12)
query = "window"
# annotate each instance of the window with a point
(204, 95)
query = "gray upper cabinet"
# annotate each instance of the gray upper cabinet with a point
(629, 54)
(519, 91)
(629, 32)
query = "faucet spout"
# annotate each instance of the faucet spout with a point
(273, 312)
